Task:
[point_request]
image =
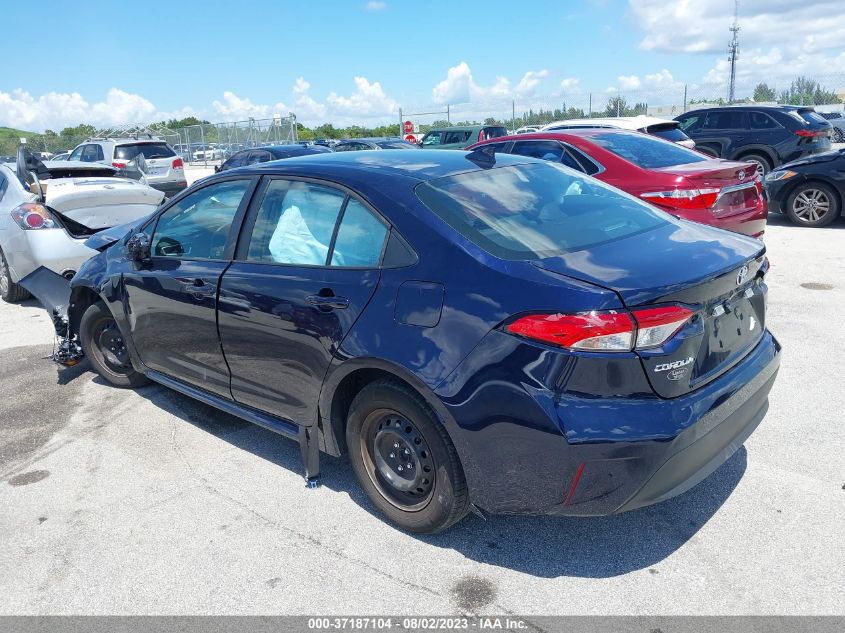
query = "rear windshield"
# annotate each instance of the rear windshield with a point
(670, 132)
(645, 151)
(149, 150)
(535, 210)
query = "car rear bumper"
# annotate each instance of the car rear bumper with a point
(614, 454)
(748, 222)
(170, 188)
(52, 248)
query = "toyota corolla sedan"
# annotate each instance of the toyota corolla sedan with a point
(500, 333)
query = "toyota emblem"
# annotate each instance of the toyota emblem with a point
(741, 174)
(742, 275)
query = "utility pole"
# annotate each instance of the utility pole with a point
(733, 52)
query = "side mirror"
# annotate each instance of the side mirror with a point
(138, 247)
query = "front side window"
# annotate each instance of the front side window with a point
(646, 151)
(295, 224)
(432, 138)
(688, 122)
(360, 238)
(91, 154)
(198, 226)
(726, 120)
(521, 212)
(77, 153)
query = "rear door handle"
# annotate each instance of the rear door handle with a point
(328, 303)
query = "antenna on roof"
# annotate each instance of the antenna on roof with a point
(733, 53)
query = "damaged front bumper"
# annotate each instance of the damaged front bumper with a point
(53, 292)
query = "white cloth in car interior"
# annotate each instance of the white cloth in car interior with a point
(293, 242)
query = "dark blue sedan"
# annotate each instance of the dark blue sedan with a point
(470, 330)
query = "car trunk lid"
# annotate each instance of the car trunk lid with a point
(99, 203)
(718, 275)
(734, 187)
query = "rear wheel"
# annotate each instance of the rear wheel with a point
(9, 290)
(105, 347)
(762, 163)
(812, 204)
(404, 458)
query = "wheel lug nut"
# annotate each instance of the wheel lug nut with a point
(392, 455)
(399, 469)
(410, 466)
(407, 452)
(395, 444)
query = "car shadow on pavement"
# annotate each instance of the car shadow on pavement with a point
(781, 219)
(548, 547)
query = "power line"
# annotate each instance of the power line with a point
(733, 52)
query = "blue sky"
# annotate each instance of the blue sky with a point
(359, 60)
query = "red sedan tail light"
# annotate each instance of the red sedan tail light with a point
(609, 331)
(683, 198)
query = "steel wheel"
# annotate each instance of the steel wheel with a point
(9, 290)
(104, 345)
(398, 459)
(4, 277)
(110, 346)
(811, 205)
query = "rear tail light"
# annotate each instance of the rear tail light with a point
(683, 198)
(118, 165)
(31, 217)
(811, 133)
(611, 331)
(178, 164)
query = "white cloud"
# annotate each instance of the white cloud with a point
(460, 87)
(570, 84)
(630, 82)
(527, 86)
(235, 108)
(368, 100)
(375, 5)
(701, 26)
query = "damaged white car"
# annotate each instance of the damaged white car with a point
(48, 210)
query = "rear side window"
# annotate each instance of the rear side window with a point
(761, 121)
(360, 238)
(535, 211)
(645, 151)
(455, 136)
(545, 150)
(147, 150)
(295, 224)
(725, 120)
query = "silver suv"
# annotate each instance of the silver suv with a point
(165, 169)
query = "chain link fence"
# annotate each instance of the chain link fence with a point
(210, 143)
(825, 93)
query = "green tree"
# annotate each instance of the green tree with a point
(762, 93)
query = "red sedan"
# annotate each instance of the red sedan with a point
(686, 183)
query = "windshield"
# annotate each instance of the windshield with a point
(646, 151)
(536, 210)
(148, 150)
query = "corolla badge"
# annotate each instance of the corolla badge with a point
(742, 275)
(673, 365)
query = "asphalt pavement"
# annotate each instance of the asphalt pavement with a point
(146, 502)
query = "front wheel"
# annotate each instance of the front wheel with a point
(404, 458)
(104, 345)
(812, 204)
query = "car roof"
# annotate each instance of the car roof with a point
(464, 128)
(751, 106)
(416, 164)
(624, 122)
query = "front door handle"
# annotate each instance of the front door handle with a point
(328, 303)
(199, 288)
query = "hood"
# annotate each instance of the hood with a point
(823, 157)
(664, 261)
(99, 203)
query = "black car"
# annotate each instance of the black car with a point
(765, 135)
(810, 191)
(467, 329)
(271, 152)
(354, 145)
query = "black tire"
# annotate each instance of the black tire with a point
(105, 348)
(812, 204)
(763, 163)
(9, 290)
(387, 415)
